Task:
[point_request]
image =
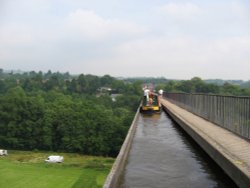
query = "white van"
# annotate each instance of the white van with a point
(54, 159)
(3, 152)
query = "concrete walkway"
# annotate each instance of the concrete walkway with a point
(228, 150)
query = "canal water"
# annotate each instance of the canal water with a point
(163, 155)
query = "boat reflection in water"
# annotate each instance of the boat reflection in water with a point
(150, 119)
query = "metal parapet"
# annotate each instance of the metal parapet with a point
(227, 149)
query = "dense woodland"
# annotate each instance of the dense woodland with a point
(62, 112)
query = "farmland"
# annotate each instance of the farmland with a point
(22, 169)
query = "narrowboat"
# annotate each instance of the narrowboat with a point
(150, 103)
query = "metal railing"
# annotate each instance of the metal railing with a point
(230, 112)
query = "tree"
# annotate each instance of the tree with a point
(106, 80)
(230, 89)
(81, 84)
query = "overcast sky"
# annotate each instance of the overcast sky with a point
(176, 39)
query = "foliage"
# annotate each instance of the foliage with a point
(59, 112)
(197, 85)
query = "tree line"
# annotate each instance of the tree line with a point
(197, 85)
(61, 112)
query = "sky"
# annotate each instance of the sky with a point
(176, 39)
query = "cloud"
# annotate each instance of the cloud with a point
(184, 57)
(238, 9)
(16, 34)
(178, 40)
(92, 26)
(180, 10)
(235, 49)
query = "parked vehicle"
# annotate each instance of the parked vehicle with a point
(54, 159)
(3, 152)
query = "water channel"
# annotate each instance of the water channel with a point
(163, 155)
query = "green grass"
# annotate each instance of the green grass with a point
(22, 169)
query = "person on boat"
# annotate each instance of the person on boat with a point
(146, 94)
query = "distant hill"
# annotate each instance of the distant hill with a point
(157, 80)
(220, 82)
(153, 80)
(13, 71)
(245, 84)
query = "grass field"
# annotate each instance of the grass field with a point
(23, 169)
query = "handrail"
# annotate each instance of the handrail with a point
(230, 112)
